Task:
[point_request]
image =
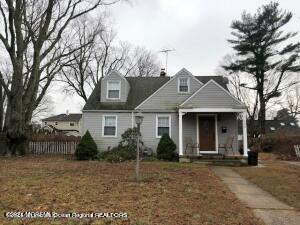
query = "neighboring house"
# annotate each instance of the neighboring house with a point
(272, 126)
(197, 109)
(63, 122)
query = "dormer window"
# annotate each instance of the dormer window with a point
(113, 89)
(183, 85)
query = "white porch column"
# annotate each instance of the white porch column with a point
(245, 141)
(180, 134)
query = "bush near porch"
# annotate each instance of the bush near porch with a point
(278, 143)
(166, 149)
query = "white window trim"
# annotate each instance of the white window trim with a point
(178, 85)
(108, 89)
(103, 123)
(156, 124)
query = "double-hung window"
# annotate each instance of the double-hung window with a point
(109, 126)
(183, 85)
(163, 125)
(113, 89)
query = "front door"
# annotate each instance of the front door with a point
(207, 133)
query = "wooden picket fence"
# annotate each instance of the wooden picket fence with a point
(53, 145)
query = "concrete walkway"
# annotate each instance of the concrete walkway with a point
(264, 205)
(295, 163)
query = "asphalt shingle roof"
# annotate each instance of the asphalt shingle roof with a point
(140, 89)
(72, 117)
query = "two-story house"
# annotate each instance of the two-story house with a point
(198, 112)
(63, 122)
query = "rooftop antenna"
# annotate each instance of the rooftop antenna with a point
(166, 51)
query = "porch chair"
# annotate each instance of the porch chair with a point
(228, 145)
(297, 150)
(190, 145)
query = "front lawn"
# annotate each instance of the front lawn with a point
(171, 193)
(280, 179)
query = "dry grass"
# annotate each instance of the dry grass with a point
(170, 193)
(280, 179)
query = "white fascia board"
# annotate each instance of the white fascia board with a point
(212, 110)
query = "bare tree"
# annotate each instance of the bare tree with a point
(142, 63)
(101, 56)
(236, 86)
(45, 107)
(292, 102)
(31, 33)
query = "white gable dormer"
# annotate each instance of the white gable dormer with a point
(114, 88)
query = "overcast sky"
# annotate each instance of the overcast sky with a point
(197, 29)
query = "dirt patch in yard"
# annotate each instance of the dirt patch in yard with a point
(280, 179)
(171, 193)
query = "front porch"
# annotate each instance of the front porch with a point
(211, 134)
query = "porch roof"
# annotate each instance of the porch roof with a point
(233, 109)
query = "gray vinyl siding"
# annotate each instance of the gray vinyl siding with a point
(212, 96)
(124, 88)
(168, 97)
(148, 129)
(228, 120)
(92, 121)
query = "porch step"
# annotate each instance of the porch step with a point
(215, 160)
(214, 157)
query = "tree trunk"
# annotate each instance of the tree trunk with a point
(15, 124)
(2, 99)
(262, 116)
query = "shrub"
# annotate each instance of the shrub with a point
(166, 149)
(87, 148)
(129, 139)
(126, 150)
(119, 154)
(277, 143)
